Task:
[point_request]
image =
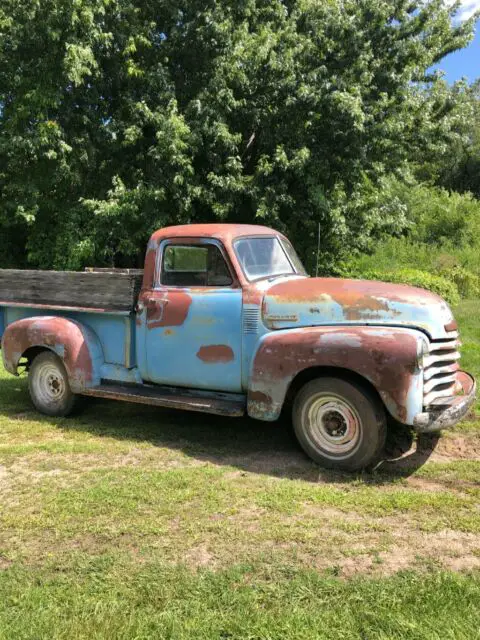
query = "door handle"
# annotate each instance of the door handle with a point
(141, 304)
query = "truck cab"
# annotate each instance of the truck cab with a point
(228, 321)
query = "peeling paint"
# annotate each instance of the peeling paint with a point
(74, 343)
(333, 301)
(215, 353)
(344, 339)
(387, 361)
(167, 309)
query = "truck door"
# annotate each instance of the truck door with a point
(193, 318)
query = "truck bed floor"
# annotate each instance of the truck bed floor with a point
(226, 404)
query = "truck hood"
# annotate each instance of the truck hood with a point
(302, 302)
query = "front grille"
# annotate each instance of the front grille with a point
(440, 367)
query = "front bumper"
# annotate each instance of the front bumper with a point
(452, 411)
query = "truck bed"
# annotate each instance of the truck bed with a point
(102, 289)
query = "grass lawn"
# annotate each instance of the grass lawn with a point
(132, 522)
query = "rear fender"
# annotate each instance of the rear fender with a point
(76, 344)
(385, 357)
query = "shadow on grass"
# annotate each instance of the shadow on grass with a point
(249, 445)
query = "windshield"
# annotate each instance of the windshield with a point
(267, 257)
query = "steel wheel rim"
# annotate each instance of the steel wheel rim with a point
(49, 384)
(333, 426)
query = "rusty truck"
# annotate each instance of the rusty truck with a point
(224, 319)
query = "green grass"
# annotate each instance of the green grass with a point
(113, 598)
(467, 315)
(131, 522)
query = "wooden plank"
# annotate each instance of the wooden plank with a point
(113, 270)
(92, 289)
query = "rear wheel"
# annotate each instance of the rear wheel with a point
(48, 385)
(339, 424)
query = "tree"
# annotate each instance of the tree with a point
(457, 167)
(119, 116)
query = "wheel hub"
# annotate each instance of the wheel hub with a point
(54, 385)
(49, 384)
(334, 425)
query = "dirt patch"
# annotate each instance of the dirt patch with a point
(406, 452)
(410, 549)
(423, 484)
(457, 447)
(448, 549)
(198, 557)
(331, 515)
(291, 463)
(43, 464)
(378, 564)
(344, 542)
(385, 545)
(5, 483)
(328, 539)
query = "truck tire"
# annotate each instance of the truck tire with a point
(339, 424)
(49, 387)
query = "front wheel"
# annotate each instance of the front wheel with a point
(48, 385)
(339, 424)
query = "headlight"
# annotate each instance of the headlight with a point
(423, 350)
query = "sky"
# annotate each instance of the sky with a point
(466, 62)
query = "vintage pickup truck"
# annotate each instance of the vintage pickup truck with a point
(226, 320)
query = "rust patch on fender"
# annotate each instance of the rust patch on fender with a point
(215, 353)
(259, 396)
(387, 359)
(55, 333)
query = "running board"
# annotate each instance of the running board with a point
(224, 404)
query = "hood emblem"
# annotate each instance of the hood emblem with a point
(283, 318)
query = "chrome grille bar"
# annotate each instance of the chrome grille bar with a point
(440, 367)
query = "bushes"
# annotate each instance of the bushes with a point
(440, 217)
(440, 251)
(438, 284)
(468, 284)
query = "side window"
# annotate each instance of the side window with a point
(194, 266)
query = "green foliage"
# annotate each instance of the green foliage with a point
(468, 284)
(457, 165)
(441, 217)
(438, 284)
(118, 117)
(441, 241)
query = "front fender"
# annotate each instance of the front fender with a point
(74, 343)
(386, 357)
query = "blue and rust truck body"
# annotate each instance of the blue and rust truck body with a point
(228, 322)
